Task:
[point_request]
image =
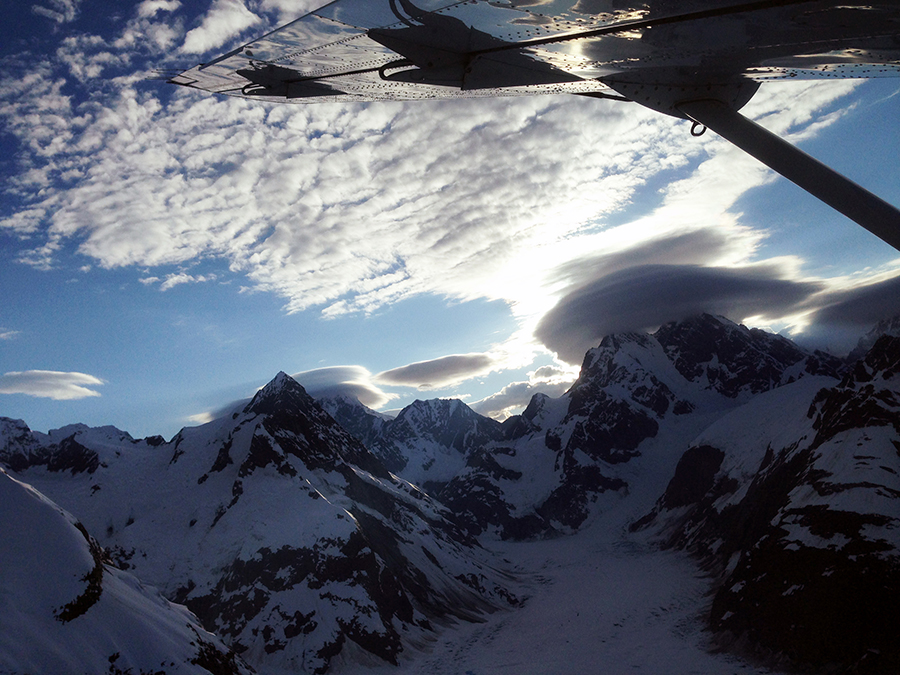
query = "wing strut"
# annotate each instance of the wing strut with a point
(842, 194)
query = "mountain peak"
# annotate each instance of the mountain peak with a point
(735, 360)
(881, 362)
(282, 380)
(867, 341)
(282, 391)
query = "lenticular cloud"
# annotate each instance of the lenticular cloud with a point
(60, 386)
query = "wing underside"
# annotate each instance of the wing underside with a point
(353, 50)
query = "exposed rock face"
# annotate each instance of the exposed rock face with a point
(364, 423)
(282, 532)
(737, 361)
(66, 610)
(60, 452)
(867, 341)
(632, 388)
(801, 520)
(617, 401)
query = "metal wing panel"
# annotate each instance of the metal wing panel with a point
(408, 49)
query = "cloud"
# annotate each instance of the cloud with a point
(150, 8)
(682, 248)
(515, 396)
(549, 380)
(173, 280)
(440, 372)
(9, 334)
(59, 386)
(839, 316)
(862, 306)
(552, 373)
(353, 381)
(646, 296)
(61, 11)
(288, 10)
(329, 205)
(176, 279)
(224, 20)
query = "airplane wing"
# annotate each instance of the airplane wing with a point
(700, 60)
(353, 50)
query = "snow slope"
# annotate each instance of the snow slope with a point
(599, 601)
(63, 609)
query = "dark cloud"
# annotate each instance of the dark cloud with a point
(844, 316)
(862, 306)
(437, 372)
(682, 249)
(643, 297)
(549, 373)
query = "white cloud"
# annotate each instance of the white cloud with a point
(59, 386)
(353, 381)
(176, 279)
(552, 381)
(200, 418)
(288, 10)
(324, 206)
(8, 334)
(87, 56)
(61, 11)
(224, 20)
(150, 8)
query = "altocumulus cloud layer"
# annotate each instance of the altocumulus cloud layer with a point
(60, 11)
(349, 208)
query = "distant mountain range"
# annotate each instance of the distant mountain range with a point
(300, 531)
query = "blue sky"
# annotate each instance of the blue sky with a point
(163, 252)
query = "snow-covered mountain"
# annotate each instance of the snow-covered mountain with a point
(636, 394)
(65, 609)
(311, 541)
(867, 341)
(275, 526)
(794, 501)
(426, 443)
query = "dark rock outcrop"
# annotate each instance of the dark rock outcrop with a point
(805, 544)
